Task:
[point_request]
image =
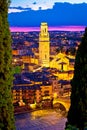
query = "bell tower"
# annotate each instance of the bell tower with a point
(44, 46)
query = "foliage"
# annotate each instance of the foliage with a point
(6, 107)
(16, 70)
(77, 114)
(70, 127)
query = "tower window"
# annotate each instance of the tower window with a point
(45, 30)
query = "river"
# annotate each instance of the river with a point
(40, 120)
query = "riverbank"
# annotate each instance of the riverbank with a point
(26, 109)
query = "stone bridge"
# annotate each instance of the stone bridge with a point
(65, 102)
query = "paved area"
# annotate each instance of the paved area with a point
(40, 120)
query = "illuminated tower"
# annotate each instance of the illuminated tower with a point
(44, 46)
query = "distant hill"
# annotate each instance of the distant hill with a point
(60, 14)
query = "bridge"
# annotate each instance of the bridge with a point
(65, 102)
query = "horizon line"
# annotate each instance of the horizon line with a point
(50, 28)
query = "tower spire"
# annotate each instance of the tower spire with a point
(44, 45)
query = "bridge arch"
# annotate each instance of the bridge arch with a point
(61, 104)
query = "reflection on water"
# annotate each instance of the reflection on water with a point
(40, 120)
(45, 113)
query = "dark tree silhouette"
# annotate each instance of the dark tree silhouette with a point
(77, 115)
(6, 107)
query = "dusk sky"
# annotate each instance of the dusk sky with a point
(30, 13)
(44, 4)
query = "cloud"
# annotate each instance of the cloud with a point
(44, 4)
(14, 10)
(17, 9)
(33, 4)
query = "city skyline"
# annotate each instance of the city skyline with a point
(59, 28)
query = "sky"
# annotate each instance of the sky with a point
(30, 13)
(36, 4)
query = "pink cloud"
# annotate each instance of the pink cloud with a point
(24, 29)
(59, 28)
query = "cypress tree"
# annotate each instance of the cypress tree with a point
(6, 107)
(77, 115)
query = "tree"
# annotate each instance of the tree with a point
(6, 78)
(77, 115)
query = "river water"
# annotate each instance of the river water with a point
(40, 120)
